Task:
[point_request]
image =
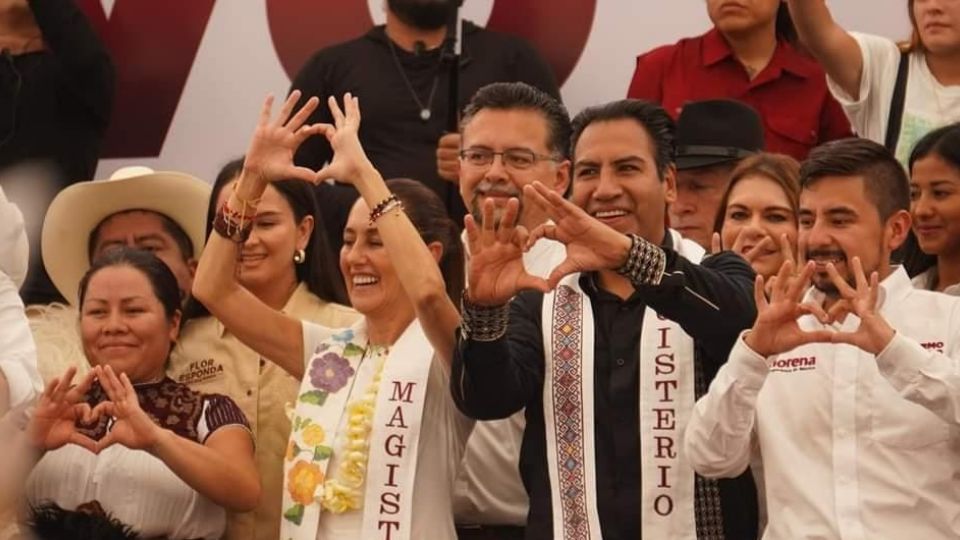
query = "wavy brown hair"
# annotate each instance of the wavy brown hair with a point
(778, 168)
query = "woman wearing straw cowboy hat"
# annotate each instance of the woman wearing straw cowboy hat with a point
(161, 212)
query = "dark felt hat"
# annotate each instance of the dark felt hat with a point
(716, 131)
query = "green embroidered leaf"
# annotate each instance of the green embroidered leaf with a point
(321, 453)
(352, 350)
(296, 423)
(294, 514)
(314, 397)
(295, 450)
(306, 422)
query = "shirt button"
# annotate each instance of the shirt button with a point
(249, 393)
(621, 362)
(262, 362)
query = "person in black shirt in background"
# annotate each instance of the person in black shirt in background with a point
(396, 71)
(56, 94)
(610, 351)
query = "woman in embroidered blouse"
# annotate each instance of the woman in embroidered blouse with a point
(932, 255)
(758, 213)
(367, 390)
(155, 455)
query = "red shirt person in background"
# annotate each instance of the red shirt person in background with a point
(749, 55)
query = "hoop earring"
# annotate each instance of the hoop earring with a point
(299, 256)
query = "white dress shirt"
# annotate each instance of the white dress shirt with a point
(854, 446)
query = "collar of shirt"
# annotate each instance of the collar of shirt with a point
(297, 300)
(785, 58)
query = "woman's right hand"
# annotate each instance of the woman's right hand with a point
(269, 157)
(60, 408)
(349, 159)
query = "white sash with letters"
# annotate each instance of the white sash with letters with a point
(394, 439)
(666, 399)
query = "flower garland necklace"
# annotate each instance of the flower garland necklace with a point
(342, 493)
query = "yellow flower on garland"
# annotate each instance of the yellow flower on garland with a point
(342, 493)
(303, 480)
(313, 435)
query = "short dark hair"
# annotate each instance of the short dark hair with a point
(161, 278)
(651, 117)
(884, 180)
(171, 227)
(429, 216)
(504, 96)
(49, 521)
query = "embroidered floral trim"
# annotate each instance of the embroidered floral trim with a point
(342, 493)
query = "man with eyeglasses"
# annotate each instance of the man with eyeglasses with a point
(607, 355)
(512, 134)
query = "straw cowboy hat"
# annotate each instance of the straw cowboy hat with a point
(80, 208)
(14, 249)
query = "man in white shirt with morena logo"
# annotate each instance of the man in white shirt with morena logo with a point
(849, 392)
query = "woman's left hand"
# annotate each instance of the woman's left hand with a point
(132, 427)
(349, 159)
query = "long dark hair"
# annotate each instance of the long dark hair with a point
(320, 271)
(785, 30)
(431, 220)
(945, 144)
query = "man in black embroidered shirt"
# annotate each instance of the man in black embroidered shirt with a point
(610, 351)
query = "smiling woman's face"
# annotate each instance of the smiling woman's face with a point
(123, 324)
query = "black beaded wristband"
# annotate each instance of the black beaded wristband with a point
(483, 323)
(645, 264)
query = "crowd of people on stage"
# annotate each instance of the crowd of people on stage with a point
(726, 307)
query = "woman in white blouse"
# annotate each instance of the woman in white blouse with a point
(376, 438)
(155, 456)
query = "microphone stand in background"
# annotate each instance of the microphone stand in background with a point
(452, 51)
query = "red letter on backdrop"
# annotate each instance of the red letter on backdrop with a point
(153, 45)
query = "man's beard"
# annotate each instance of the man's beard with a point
(823, 283)
(423, 14)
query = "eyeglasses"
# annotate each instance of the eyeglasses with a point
(515, 158)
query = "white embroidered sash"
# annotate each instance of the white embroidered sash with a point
(666, 399)
(321, 404)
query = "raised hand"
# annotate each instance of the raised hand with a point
(448, 157)
(274, 142)
(132, 427)
(874, 333)
(59, 410)
(349, 159)
(776, 329)
(591, 245)
(496, 272)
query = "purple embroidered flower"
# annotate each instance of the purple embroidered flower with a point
(330, 372)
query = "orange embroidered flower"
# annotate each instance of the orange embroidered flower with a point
(303, 480)
(313, 435)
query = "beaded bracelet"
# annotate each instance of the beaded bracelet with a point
(645, 264)
(483, 323)
(232, 225)
(383, 207)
